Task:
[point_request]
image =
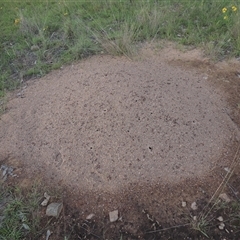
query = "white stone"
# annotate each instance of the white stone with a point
(221, 226)
(227, 169)
(46, 200)
(194, 206)
(113, 216)
(46, 195)
(220, 219)
(54, 209)
(48, 234)
(184, 204)
(90, 216)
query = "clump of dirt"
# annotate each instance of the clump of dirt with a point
(136, 135)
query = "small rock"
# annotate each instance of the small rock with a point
(194, 206)
(4, 178)
(227, 169)
(34, 48)
(90, 216)
(46, 195)
(220, 219)
(113, 216)
(46, 200)
(26, 227)
(221, 226)
(7, 171)
(4, 172)
(224, 197)
(48, 234)
(184, 204)
(54, 209)
(195, 218)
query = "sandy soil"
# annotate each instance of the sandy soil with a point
(125, 134)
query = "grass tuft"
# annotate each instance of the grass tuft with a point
(37, 37)
(19, 213)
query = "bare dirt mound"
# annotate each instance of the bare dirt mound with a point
(109, 123)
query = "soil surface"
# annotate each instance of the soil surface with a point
(139, 135)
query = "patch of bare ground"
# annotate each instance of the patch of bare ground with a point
(141, 136)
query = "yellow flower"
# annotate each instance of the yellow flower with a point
(17, 21)
(65, 14)
(224, 10)
(225, 18)
(234, 8)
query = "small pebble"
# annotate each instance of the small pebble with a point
(90, 216)
(26, 227)
(184, 204)
(34, 48)
(227, 169)
(113, 216)
(221, 226)
(46, 195)
(54, 209)
(48, 234)
(220, 219)
(46, 200)
(194, 206)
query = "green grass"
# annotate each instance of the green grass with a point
(38, 36)
(19, 213)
